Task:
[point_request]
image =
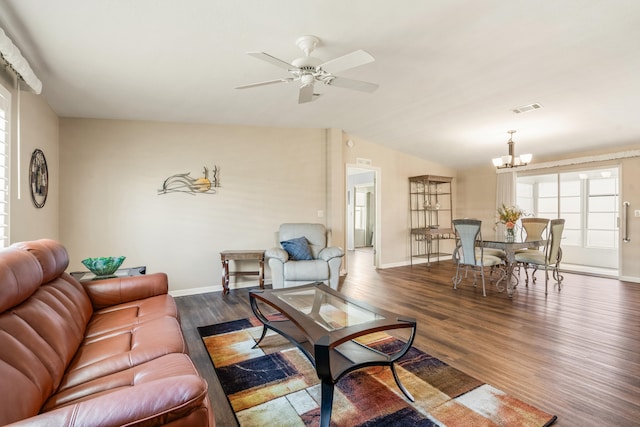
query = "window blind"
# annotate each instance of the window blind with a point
(5, 160)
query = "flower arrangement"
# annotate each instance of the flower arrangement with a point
(509, 215)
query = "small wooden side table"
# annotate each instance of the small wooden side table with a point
(241, 255)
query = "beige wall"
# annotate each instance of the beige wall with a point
(630, 252)
(477, 193)
(111, 171)
(395, 168)
(38, 129)
(476, 196)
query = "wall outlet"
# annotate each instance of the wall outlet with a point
(636, 213)
(321, 214)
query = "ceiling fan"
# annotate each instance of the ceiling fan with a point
(308, 70)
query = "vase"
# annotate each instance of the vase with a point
(510, 234)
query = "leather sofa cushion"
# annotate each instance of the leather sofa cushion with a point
(103, 355)
(315, 234)
(110, 292)
(114, 318)
(313, 270)
(160, 391)
(38, 339)
(51, 255)
(20, 275)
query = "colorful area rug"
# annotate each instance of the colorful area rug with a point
(275, 384)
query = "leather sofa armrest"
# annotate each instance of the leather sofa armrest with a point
(277, 253)
(158, 402)
(107, 292)
(331, 252)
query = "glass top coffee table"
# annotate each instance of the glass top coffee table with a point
(324, 324)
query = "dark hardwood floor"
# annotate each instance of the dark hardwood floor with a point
(575, 354)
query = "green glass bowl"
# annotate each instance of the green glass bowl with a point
(103, 266)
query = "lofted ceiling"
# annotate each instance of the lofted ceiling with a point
(450, 71)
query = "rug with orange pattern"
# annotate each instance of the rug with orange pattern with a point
(275, 384)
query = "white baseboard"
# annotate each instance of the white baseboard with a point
(195, 291)
(629, 279)
(395, 264)
(415, 261)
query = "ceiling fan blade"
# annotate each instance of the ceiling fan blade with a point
(305, 94)
(345, 62)
(353, 84)
(272, 60)
(268, 82)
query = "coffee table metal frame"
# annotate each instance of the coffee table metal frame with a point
(331, 348)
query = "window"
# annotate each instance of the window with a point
(587, 200)
(5, 141)
(602, 227)
(571, 208)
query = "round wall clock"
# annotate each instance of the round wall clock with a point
(39, 178)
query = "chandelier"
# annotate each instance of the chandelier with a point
(511, 160)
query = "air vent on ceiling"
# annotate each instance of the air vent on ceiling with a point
(526, 108)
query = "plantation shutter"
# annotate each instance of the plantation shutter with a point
(5, 141)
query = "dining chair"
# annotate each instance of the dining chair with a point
(549, 258)
(469, 253)
(495, 252)
(492, 251)
(532, 229)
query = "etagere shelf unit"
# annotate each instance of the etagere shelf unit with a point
(431, 210)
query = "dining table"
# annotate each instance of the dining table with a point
(510, 246)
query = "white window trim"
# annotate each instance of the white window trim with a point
(5, 104)
(575, 161)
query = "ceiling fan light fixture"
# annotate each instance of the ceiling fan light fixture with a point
(306, 80)
(308, 69)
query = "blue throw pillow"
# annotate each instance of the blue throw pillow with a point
(298, 249)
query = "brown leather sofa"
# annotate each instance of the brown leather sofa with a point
(103, 353)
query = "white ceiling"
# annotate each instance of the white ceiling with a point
(450, 71)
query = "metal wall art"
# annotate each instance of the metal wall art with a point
(183, 183)
(38, 178)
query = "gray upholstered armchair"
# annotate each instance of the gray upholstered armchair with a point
(304, 257)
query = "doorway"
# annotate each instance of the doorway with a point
(363, 217)
(363, 212)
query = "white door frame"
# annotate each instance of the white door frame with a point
(377, 234)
